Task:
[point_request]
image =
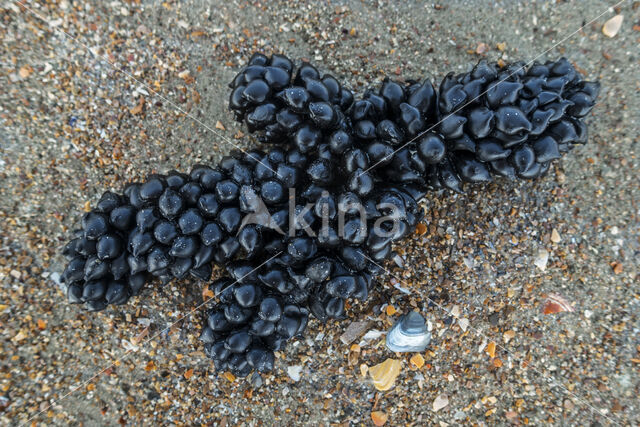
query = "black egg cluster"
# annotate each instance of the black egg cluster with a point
(302, 228)
(98, 272)
(510, 121)
(315, 268)
(170, 226)
(301, 106)
(249, 323)
(316, 247)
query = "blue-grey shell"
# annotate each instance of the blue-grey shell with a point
(409, 334)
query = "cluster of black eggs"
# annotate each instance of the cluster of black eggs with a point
(328, 255)
(303, 227)
(98, 271)
(285, 104)
(167, 227)
(248, 324)
(510, 121)
(316, 247)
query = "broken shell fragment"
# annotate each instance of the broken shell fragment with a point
(385, 374)
(612, 26)
(409, 334)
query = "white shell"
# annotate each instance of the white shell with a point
(409, 334)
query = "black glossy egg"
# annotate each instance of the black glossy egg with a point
(334, 308)
(511, 120)
(262, 328)
(360, 182)
(307, 138)
(229, 219)
(146, 218)
(302, 248)
(389, 132)
(119, 267)
(296, 98)
(256, 91)
(319, 270)
(341, 286)
(170, 203)
(218, 322)
(503, 168)
(287, 175)
(523, 159)
(236, 314)
(209, 178)
(122, 217)
(392, 93)
(94, 225)
(151, 189)
(288, 326)
(276, 77)
(502, 93)
(74, 294)
(164, 232)
(137, 265)
(260, 359)
(489, 150)
(322, 115)
(270, 310)
(272, 192)
(247, 295)
(452, 99)
(424, 99)
(238, 342)
(208, 205)
(94, 290)
(546, 149)
(190, 222)
(158, 259)
(74, 270)
(306, 71)
(354, 231)
(184, 246)
(320, 171)
(108, 201)
(250, 238)
(288, 120)
(355, 159)
(94, 269)
(227, 191)
(316, 89)
(117, 293)
(261, 116)
(281, 61)
(431, 148)
(452, 126)
(108, 247)
(472, 170)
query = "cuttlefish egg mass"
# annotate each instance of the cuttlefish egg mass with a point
(304, 225)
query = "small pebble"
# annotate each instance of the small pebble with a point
(440, 402)
(353, 331)
(294, 372)
(541, 259)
